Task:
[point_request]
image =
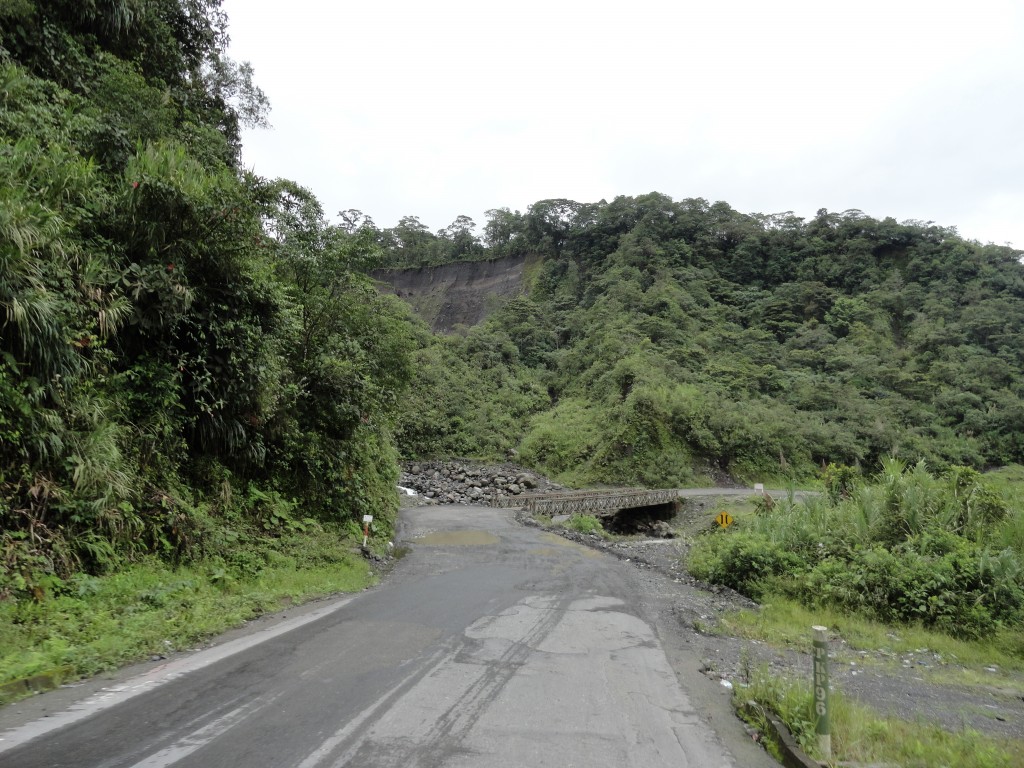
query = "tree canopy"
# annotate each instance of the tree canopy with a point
(680, 338)
(187, 351)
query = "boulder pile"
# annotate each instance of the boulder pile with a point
(455, 482)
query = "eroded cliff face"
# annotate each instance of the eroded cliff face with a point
(464, 293)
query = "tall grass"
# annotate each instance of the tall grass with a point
(783, 623)
(902, 502)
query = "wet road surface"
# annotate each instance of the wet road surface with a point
(490, 644)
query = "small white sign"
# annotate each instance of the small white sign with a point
(367, 518)
(759, 487)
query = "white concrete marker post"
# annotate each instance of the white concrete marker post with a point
(822, 723)
(367, 519)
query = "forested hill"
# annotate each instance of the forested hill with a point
(661, 340)
(192, 361)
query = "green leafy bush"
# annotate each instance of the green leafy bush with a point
(910, 547)
(746, 562)
(585, 524)
(947, 585)
(191, 357)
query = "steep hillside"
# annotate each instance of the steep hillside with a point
(460, 293)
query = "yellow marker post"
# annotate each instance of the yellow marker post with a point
(724, 519)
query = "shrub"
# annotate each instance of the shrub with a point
(585, 524)
(840, 481)
(939, 580)
(910, 547)
(744, 562)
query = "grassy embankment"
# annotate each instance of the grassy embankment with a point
(95, 623)
(861, 734)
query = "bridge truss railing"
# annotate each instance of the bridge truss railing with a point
(591, 502)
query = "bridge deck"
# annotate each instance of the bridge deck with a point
(591, 502)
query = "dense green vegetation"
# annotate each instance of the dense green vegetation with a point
(663, 343)
(897, 564)
(196, 374)
(905, 548)
(661, 340)
(193, 365)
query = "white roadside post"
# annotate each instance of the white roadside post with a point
(822, 723)
(367, 519)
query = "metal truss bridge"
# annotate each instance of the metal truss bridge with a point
(597, 503)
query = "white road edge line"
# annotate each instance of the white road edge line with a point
(202, 736)
(165, 673)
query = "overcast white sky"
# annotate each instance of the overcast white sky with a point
(905, 108)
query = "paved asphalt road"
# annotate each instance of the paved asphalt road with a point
(490, 644)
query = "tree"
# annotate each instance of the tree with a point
(462, 240)
(171, 327)
(501, 228)
(549, 223)
(352, 220)
(347, 351)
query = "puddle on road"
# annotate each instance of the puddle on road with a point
(458, 539)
